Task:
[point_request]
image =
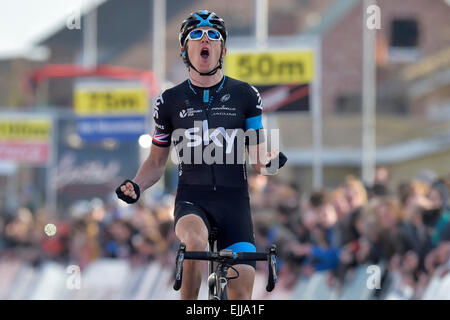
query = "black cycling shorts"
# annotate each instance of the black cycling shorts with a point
(226, 208)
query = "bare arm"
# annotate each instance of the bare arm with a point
(153, 167)
(148, 174)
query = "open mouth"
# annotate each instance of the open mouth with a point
(204, 53)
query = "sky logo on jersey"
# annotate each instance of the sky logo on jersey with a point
(202, 145)
(259, 105)
(195, 137)
(159, 101)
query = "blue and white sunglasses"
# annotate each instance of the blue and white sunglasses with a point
(197, 34)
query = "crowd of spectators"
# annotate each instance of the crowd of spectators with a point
(91, 230)
(405, 228)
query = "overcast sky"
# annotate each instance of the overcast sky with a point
(24, 22)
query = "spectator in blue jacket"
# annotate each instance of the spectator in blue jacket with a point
(322, 253)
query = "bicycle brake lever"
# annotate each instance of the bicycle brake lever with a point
(179, 267)
(273, 278)
(273, 264)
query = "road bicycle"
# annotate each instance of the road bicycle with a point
(218, 279)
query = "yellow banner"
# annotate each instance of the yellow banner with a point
(36, 130)
(112, 101)
(271, 67)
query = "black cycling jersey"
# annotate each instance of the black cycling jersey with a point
(212, 121)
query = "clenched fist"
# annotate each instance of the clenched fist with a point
(128, 191)
(277, 158)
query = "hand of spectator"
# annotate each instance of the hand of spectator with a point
(331, 280)
(345, 256)
(300, 249)
(308, 270)
(430, 262)
(421, 285)
(410, 262)
(394, 263)
(363, 251)
(420, 201)
(437, 257)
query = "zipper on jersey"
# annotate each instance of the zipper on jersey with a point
(207, 99)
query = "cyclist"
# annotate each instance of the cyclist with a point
(209, 108)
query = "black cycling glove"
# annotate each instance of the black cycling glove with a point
(126, 198)
(281, 158)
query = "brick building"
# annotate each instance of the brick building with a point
(413, 67)
(410, 31)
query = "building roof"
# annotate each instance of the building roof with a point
(24, 23)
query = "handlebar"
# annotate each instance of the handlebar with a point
(227, 256)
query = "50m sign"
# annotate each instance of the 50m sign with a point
(271, 67)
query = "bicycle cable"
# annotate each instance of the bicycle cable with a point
(235, 270)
